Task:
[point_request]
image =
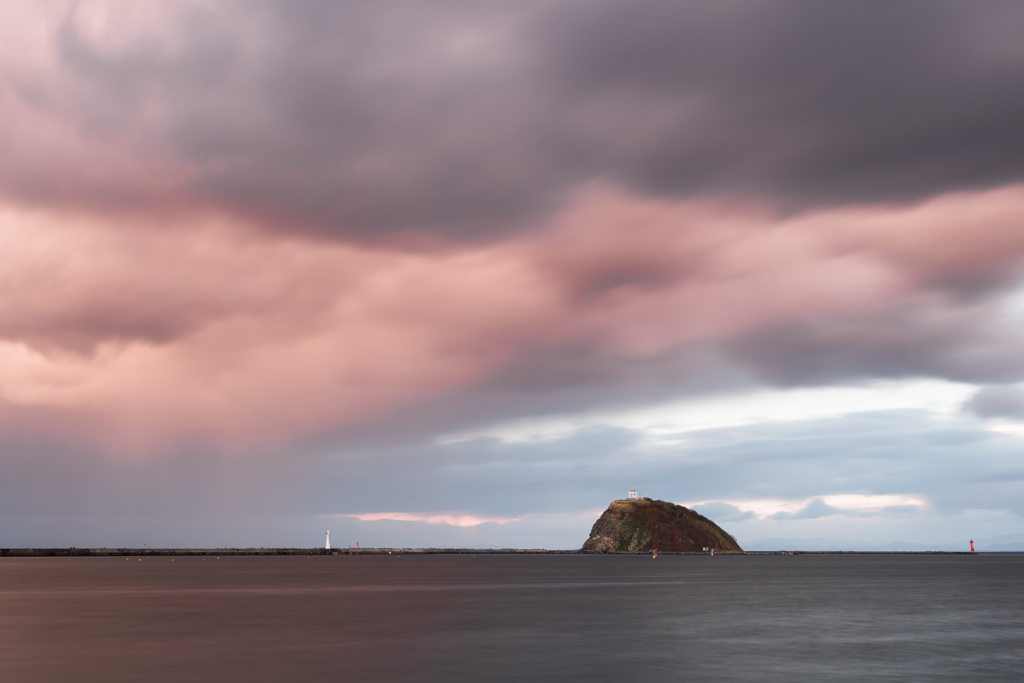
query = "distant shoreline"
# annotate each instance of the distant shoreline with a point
(259, 552)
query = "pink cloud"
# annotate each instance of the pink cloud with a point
(451, 519)
(144, 330)
(216, 329)
(61, 140)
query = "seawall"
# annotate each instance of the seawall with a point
(250, 552)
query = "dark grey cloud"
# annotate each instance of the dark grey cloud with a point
(464, 118)
(948, 336)
(724, 512)
(811, 102)
(997, 401)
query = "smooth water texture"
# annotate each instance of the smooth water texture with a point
(513, 618)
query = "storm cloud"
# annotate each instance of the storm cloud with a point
(468, 120)
(302, 245)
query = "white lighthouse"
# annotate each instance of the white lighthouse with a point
(633, 495)
(328, 546)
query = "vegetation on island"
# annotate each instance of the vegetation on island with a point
(643, 525)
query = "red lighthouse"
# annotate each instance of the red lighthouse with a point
(972, 545)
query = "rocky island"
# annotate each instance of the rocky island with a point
(640, 525)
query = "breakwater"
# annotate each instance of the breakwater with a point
(252, 552)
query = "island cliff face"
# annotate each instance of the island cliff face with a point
(639, 526)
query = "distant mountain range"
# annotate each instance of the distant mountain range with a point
(1004, 543)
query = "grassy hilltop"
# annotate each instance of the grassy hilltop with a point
(631, 526)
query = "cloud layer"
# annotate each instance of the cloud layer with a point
(468, 120)
(200, 326)
(318, 239)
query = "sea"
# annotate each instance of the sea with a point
(407, 617)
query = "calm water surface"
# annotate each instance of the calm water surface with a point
(499, 618)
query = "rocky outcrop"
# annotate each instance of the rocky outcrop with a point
(639, 526)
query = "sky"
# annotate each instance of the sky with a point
(459, 274)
